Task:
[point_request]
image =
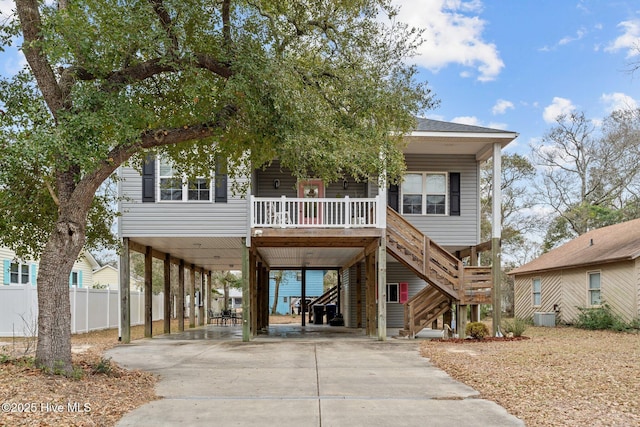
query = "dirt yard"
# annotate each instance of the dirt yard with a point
(558, 377)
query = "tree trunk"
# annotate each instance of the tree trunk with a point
(276, 289)
(54, 311)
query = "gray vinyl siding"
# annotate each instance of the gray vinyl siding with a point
(397, 273)
(288, 184)
(178, 219)
(463, 230)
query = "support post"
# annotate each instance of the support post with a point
(208, 289)
(253, 286)
(148, 292)
(370, 279)
(201, 301)
(496, 268)
(475, 313)
(246, 306)
(192, 298)
(167, 294)
(303, 299)
(461, 320)
(125, 293)
(359, 295)
(382, 289)
(180, 301)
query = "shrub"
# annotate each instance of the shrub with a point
(600, 318)
(515, 326)
(103, 367)
(477, 330)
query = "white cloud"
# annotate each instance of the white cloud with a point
(6, 8)
(467, 120)
(618, 101)
(557, 107)
(568, 39)
(501, 107)
(564, 41)
(497, 125)
(629, 40)
(453, 33)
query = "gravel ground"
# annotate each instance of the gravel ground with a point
(559, 377)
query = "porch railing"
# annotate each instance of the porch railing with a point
(285, 212)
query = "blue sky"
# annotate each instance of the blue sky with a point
(517, 64)
(514, 64)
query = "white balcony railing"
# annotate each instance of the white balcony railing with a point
(286, 212)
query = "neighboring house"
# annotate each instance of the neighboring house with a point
(601, 266)
(404, 242)
(234, 303)
(22, 272)
(290, 289)
(106, 277)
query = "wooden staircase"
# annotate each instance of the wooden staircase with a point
(448, 280)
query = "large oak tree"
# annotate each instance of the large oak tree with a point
(321, 85)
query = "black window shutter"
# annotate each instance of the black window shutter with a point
(392, 197)
(149, 179)
(221, 181)
(454, 194)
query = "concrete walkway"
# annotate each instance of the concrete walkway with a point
(313, 376)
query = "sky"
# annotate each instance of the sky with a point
(514, 64)
(517, 64)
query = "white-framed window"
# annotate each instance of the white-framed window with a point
(175, 187)
(593, 283)
(536, 291)
(424, 193)
(393, 292)
(19, 273)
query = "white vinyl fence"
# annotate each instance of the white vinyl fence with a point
(91, 309)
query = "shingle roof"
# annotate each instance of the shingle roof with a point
(613, 243)
(429, 125)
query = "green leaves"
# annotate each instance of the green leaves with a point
(322, 86)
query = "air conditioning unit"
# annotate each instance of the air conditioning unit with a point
(544, 319)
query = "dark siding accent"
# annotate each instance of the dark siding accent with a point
(221, 181)
(392, 197)
(454, 193)
(149, 179)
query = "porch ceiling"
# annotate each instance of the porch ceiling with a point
(451, 143)
(277, 247)
(210, 253)
(312, 248)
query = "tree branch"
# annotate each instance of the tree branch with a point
(226, 23)
(165, 21)
(31, 24)
(151, 139)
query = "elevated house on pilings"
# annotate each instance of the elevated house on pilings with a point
(398, 250)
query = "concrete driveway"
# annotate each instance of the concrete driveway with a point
(299, 377)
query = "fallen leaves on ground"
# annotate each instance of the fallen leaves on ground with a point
(101, 395)
(559, 377)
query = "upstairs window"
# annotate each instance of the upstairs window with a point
(174, 187)
(424, 193)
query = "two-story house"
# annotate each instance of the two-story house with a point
(398, 250)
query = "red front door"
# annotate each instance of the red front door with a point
(311, 211)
